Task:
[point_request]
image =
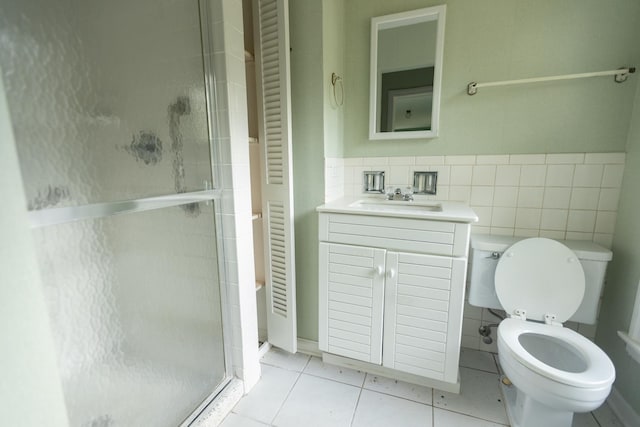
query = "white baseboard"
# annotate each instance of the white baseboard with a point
(263, 349)
(626, 414)
(309, 347)
(370, 368)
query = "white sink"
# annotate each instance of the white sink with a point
(418, 209)
(396, 205)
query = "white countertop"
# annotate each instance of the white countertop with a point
(419, 209)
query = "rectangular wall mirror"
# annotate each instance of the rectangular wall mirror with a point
(406, 74)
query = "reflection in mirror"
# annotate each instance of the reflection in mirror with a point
(406, 68)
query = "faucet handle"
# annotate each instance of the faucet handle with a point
(408, 194)
(389, 191)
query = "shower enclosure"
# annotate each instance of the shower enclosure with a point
(112, 104)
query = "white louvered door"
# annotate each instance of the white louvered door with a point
(423, 314)
(271, 23)
(351, 301)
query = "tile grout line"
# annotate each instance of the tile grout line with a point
(495, 362)
(355, 408)
(433, 408)
(331, 379)
(596, 418)
(364, 379)
(473, 416)
(290, 390)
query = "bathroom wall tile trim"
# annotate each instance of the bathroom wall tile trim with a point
(572, 196)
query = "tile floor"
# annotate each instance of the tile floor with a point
(299, 390)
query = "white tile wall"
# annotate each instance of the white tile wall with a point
(560, 196)
(336, 177)
(234, 212)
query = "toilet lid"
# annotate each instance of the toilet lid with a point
(540, 276)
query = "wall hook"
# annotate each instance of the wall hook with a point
(335, 79)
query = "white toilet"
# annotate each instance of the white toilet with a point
(540, 283)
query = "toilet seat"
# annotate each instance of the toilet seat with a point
(598, 369)
(540, 279)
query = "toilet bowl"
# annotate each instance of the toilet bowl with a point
(554, 370)
(555, 366)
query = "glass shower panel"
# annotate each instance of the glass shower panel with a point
(135, 305)
(107, 98)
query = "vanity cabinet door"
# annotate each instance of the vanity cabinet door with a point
(351, 301)
(423, 314)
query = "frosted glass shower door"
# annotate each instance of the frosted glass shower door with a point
(134, 301)
(107, 98)
(109, 104)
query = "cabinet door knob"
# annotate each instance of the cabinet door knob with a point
(391, 273)
(379, 270)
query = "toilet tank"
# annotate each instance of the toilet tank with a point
(487, 249)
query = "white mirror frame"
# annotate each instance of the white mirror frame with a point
(436, 13)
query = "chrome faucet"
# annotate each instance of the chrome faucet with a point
(397, 195)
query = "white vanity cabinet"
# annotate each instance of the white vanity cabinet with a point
(392, 291)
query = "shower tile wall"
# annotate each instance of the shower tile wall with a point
(235, 214)
(570, 196)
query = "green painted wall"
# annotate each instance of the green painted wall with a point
(333, 33)
(624, 272)
(308, 154)
(317, 51)
(509, 39)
